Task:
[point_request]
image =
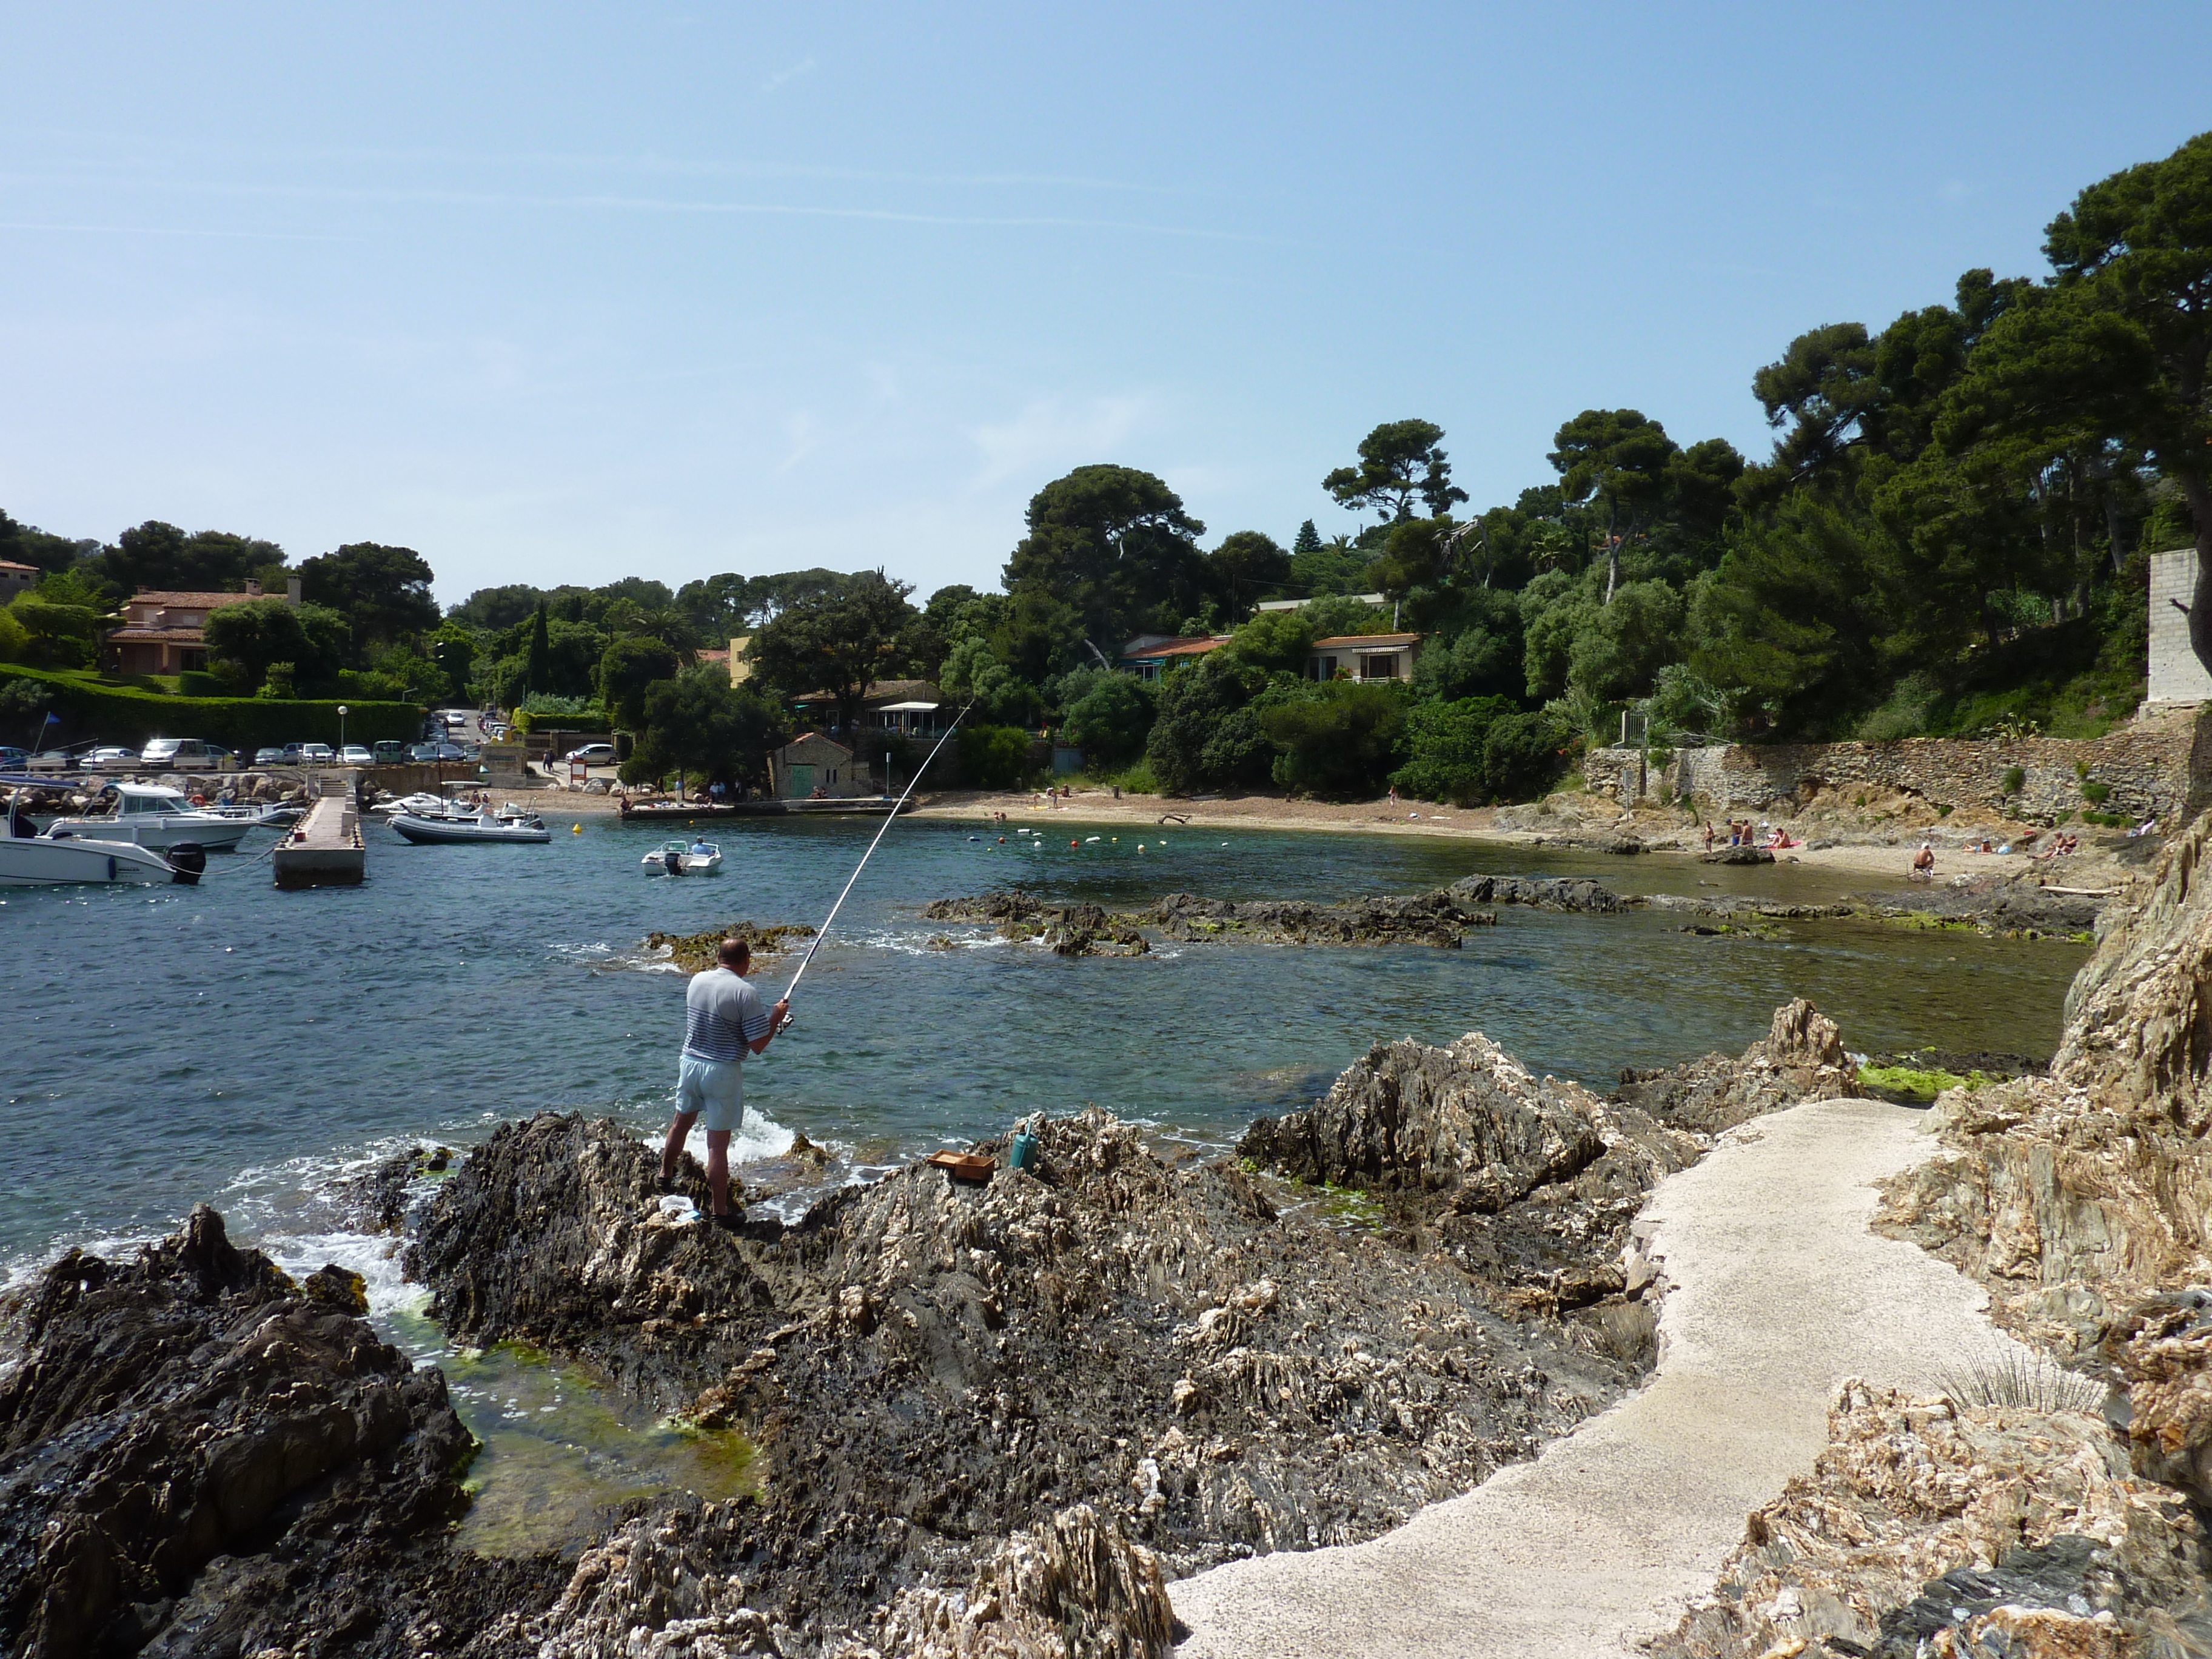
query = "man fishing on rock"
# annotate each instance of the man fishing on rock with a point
(723, 1016)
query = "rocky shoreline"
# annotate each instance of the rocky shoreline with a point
(987, 1419)
(999, 1420)
(2012, 907)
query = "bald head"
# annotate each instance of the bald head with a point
(734, 954)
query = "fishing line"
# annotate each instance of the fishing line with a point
(890, 818)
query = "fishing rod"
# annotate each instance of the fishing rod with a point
(889, 818)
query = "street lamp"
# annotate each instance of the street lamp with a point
(341, 715)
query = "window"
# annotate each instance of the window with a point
(1383, 666)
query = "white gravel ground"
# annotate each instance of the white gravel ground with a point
(1779, 1292)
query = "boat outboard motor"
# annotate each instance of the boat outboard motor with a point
(672, 862)
(187, 858)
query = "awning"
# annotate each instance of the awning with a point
(906, 707)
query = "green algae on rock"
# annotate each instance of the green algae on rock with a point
(695, 952)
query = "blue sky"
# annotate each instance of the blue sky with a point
(556, 294)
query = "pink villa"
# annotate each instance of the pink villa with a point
(164, 633)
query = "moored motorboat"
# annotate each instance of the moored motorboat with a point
(64, 859)
(684, 858)
(512, 824)
(156, 817)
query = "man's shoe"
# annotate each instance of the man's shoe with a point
(730, 1221)
(666, 1183)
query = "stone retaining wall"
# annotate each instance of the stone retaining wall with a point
(2161, 768)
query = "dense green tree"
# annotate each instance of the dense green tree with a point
(1205, 731)
(1445, 760)
(497, 608)
(161, 557)
(839, 640)
(1398, 461)
(1110, 715)
(1274, 642)
(1481, 655)
(383, 592)
(254, 636)
(994, 756)
(1248, 566)
(1792, 616)
(973, 678)
(1036, 636)
(1341, 740)
(452, 649)
(23, 544)
(1117, 545)
(631, 667)
(2118, 346)
(538, 664)
(1620, 458)
(698, 723)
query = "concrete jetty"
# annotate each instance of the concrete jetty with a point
(325, 849)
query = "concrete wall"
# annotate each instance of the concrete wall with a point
(2176, 674)
(2158, 767)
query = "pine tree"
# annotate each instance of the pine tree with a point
(1309, 539)
(537, 671)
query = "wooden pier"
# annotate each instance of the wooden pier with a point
(324, 849)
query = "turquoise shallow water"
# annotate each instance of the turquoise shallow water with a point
(236, 1043)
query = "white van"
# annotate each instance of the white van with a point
(185, 754)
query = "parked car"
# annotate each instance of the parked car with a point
(112, 755)
(295, 754)
(594, 754)
(356, 754)
(389, 751)
(422, 753)
(185, 754)
(318, 754)
(13, 759)
(449, 751)
(270, 757)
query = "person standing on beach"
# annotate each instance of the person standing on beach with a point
(723, 1019)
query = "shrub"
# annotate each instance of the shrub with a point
(1444, 742)
(1342, 743)
(1522, 755)
(2096, 792)
(2015, 778)
(93, 711)
(1204, 732)
(1111, 720)
(994, 756)
(193, 682)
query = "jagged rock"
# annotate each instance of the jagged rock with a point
(197, 1453)
(2078, 1195)
(1736, 856)
(1800, 1059)
(1927, 1527)
(1541, 892)
(929, 1370)
(1468, 1118)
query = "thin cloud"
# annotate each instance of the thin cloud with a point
(180, 230)
(784, 77)
(664, 204)
(1048, 437)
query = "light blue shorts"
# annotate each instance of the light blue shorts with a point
(715, 1089)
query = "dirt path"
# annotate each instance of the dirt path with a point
(1779, 1292)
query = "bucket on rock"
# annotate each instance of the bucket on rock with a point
(1021, 1150)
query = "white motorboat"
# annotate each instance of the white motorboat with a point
(684, 858)
(64, 859)
(509, 824)
(420, 804)
(156, 817)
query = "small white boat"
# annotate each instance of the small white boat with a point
(420, 804)
(154, 815)
(510, 824)
(66, 860)
(684, 858)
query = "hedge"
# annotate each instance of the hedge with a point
(93, 711)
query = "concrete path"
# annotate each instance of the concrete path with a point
(1779, 1293)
